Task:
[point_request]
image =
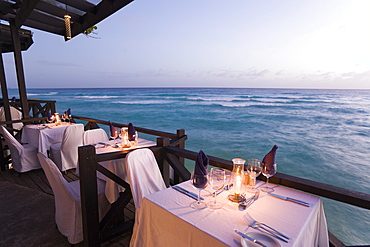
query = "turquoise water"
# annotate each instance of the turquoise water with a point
(322, 135)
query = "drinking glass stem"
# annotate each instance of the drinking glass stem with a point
(267, 182)
(198, 202)
(215, 198)
(253, 182)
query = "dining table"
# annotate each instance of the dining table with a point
(166, 219)
(43, 136)
(117, 166)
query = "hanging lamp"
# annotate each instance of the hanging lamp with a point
(67, 23)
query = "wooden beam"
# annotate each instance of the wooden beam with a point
(24, 12)
(19, 68)
(4, 90)
(57, 11)
(84, 6)
(104, 9)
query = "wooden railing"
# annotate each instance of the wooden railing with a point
(170, 152)
(38, 109)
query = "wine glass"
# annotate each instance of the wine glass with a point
(253, 170)
(199, 182)
(268, 171)
(217, 178)
(114, 136)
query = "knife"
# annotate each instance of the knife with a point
(290, 199)
(249, 238)
(186, 192)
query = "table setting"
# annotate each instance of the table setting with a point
(43, 136)
(120, 141)
(230, 210)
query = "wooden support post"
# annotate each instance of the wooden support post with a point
(19, 68)
(4, 91)
(180, 133)
(163, 164)
(89, 195)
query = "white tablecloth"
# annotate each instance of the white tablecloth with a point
(117, 167)
(167, 220)
(40, 136)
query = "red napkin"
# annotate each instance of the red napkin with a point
(113, 130)
(269, 159)
(201, 164)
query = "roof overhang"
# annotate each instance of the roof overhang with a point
(6, 41)
(47, 15)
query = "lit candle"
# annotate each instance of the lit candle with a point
(238, 183)
(237, 179)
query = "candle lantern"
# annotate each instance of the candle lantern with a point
(124, 136)
(237, 179)
(57, 119)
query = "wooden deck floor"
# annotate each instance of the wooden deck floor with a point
(37, 182)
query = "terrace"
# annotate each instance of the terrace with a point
(170, 150)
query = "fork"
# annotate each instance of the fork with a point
(259, 225)
(247, 202)
(254, 198)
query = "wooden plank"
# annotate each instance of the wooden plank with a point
(30, 183)
(46, 185)
(35, 177)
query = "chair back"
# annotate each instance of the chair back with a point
(16, 149)
(15, 115)
(65, 197)
(143, 174)
(95, 136)
(72, 139)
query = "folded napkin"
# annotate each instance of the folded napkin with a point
(131, 132)
(50, 117)
(201, 164)
(113, 130)
(269, 159)
(68, 112)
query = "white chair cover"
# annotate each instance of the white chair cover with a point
(143, 174)
(15, 114)
(145, 178)
(65, 154)
(68, 215)
(95, 136)
(24, 157)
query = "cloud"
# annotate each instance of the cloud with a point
(58, 63)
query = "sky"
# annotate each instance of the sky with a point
(210, 43)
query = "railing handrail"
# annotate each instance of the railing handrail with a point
(347, 196)
(351, 197)
(119, 125)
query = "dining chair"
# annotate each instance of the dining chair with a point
(24, 157)
(95, 136)
(15, 115)
(65, 153)
(145, 178)
(68, 214)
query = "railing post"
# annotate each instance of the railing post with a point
(163, 164)
(89, 195)
(180, 133)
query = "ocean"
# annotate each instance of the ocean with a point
(322, 135)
